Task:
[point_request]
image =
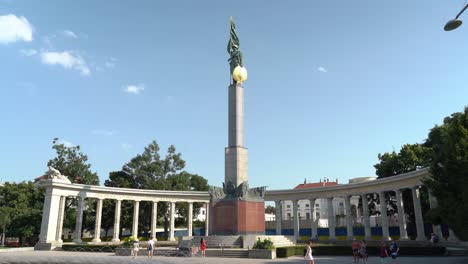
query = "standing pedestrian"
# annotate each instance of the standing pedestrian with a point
(394, 249)
(150, 247)
(136, 248)
(355, 248)
(383, 253)
(308, 255)
(363, 251)
(203, 247)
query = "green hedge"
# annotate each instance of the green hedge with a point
(286, 252)
(90, 248)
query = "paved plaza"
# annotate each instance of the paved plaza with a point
(56, 257)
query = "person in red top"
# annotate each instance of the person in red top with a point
(355, 247)
(203, 247)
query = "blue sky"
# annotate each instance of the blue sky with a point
(331, 83)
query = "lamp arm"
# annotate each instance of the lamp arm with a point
(461, 12)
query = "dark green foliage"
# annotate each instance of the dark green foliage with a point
(22, 204)
(263, 244)
(150, 171)
(449, 170)
(270, 209)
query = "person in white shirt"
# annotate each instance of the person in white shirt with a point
(151, 247)
(136, 248)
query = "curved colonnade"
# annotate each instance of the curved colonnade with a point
(57, 191)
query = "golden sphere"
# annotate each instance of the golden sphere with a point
(239, 74)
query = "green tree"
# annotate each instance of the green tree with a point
(24, 203)
(449, 171)
(5, 220)
(149, 171)
(71, 162)
(270, 209)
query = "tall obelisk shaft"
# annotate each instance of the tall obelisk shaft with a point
(236, 157)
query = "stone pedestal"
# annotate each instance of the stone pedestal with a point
(237, 217)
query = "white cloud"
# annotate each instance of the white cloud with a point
(69, 33)
(126, 146)
(13, 28)
(66, 59)
(28, 52)
(110, 65)
(321, 69)
(103, 132)
(134, 89)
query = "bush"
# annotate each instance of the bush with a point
(265, 244)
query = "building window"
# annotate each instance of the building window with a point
(289, 216)
(288, 206)
(317, 205)
(317, 215)
(307, 215)
(307, 205)
(341, 204)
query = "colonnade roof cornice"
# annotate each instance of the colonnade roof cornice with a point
(401, 181)
(102, 192)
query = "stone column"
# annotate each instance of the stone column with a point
(401, 215)
(136, 208)
(172, 212)
(207, 219)
(190, 219)
(154, 219)
(313, 218)
(278, 217)
(97, 225)
(383, 216)
(366, 220)
(115, 237)
(452, 237)
(348, 214)
(50, 211)
(433, 204)
(79, 220)
(60, 219)
(331, 219)
(418, 214)
(296, 220)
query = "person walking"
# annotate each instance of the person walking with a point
(150, 247)
(308, 255)
(383, 252)
(355, 248)
(202, 247)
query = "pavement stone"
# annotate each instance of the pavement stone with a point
(59, 257)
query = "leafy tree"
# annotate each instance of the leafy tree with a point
(22, 204)
(449, 170)
(71, 162)
(5, 220)
(149, 171)
(270, 209)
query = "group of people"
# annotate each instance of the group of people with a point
(359, 251)
(150, 247)
(389, 251)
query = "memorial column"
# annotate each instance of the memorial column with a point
(366, 220)
(418, 214)
(278, 217)
(154, 218)
(172, 213)
(296, 220)
(79, 220)
(383, 216)
(348, 214)
(60, 219)
(97, 225)
(136, 208)
(331, 219)
(115, 237)
(190, 219)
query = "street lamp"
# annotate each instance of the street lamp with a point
(455, 23)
